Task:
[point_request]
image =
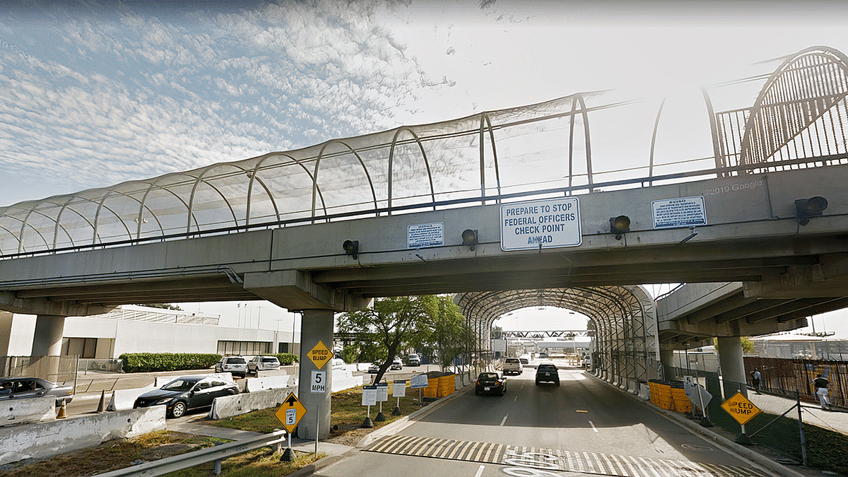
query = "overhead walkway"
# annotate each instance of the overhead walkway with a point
(755, 195)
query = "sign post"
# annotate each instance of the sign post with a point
(398, 391)
(419, 381)
(382, 395)
(743, 410)
(369, 398)
(290, 413)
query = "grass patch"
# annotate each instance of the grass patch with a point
(825, 449)
(114, 455)
(348, 413)
(262, 462)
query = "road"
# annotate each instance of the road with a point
(583, 427)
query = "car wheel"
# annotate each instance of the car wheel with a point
(178, 410)
(476, 392)
(503, 391)
(557, 383)
(537, 383)
(231, 392)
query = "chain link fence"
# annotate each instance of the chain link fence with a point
(56, 369)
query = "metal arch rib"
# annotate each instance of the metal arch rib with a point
(253, 172)
(488, 121)
(155, 185)
(426, 164)
(746, 146)
(197, 182)
(101, 206)
(361, 162)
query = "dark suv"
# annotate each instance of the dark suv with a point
(547, 372)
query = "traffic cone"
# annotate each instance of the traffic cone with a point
(101, 407)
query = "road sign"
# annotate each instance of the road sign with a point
(419, 381)
(369, 395)
(382, 391)
(740, 408)
(399, 388)
(319, 382)
(541, 224)
(290, 412)
(693, 389)
(319, 355)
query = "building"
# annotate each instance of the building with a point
(137, 329)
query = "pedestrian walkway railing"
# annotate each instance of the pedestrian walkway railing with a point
(210, 454)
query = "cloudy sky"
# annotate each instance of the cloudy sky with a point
(95, 93)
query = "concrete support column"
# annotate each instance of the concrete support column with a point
(732, 366)
(317, 325)
(47, 340)
(667, 360)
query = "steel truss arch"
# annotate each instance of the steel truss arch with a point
(623, 317)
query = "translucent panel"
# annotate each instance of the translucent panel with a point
(790, 110)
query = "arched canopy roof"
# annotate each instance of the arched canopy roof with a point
(569, 145)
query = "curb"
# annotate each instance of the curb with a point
(710, 435)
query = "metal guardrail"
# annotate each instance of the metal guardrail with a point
(202, 456)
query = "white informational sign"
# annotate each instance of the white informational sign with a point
(291, 417)
(399, 388)
(382, 391)
(369, 395)
(682, 212)
(419, 381)
(499, 345)
(319, 382)
(425, 235)
(538, 224)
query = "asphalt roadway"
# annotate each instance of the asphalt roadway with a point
(583, 427)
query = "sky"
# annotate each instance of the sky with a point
(96, 93)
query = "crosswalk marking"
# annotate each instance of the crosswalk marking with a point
(554, 459)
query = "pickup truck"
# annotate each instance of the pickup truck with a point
(512, 366)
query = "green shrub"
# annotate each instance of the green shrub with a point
(149, 362)
(286, 358)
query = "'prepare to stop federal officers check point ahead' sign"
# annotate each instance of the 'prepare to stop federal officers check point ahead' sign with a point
(537, 224)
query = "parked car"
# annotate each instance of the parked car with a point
(524, 361)
(23, 388)
(374, 368)
(262, 363)
(396, 363)
(187, 392)
(490, 383)
(236, 365)
(547, 372)
(414, 360)
(512, 366)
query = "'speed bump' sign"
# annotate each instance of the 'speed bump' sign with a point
(740, 408)
(319, 355)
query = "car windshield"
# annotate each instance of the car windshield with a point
(512, 360)
(488, 376)
(547, 367)
(235, 361)
(269, 360)
(180, 385)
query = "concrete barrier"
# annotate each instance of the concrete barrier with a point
(344, 379)
(253, 385)
(267, 373)
(123, 399)
(19, 411)
(46, 439)
(229, 406)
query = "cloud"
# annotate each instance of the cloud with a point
(132, 93)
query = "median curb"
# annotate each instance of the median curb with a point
(404, 422)
(710, 435)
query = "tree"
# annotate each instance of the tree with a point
(164, 306)
(450, 333)
(390, 323)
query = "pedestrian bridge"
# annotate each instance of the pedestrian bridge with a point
(553, 196)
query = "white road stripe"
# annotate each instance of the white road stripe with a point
(480, 471)
(504, 420)
(593, 426)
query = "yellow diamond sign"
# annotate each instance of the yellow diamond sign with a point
(740, 408)
(290, 412)
(319, 355)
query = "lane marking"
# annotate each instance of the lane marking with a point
(480, 471)
(516, 399)
(504, 420)
(593, 426)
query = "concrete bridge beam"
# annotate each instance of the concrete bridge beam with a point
(295, 290)
(10, 302)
